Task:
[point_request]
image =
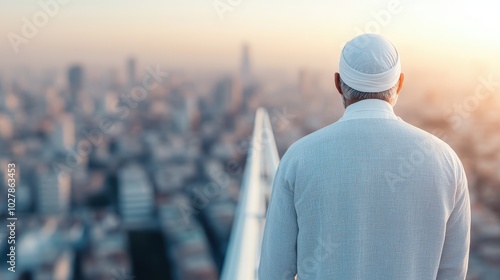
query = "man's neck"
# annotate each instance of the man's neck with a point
(354, 100)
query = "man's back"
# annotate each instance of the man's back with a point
(368, 197)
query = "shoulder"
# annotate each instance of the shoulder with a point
(437, 148)
(432, 140)
(312, 140)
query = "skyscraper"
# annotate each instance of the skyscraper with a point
(245, 70)
(131, 71)
(75, 84)
(75, 78)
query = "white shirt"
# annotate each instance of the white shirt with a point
(368, 197)
(369, 108)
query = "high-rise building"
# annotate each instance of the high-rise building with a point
(131, 68)
(228, 95)
(63, 135)
(245, 70)
(53, 194)
(75, 85)
(135, 196)
(75, 78)
(184, 110)
(192, 112)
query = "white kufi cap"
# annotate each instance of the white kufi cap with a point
(370, 63)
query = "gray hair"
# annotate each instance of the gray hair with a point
(350, 93)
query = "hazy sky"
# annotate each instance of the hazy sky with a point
(282, 34)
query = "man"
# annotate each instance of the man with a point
(370, 196)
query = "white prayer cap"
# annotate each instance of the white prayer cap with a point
(369, 63)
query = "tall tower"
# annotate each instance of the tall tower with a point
(131, 66)
(245, 70)
(75, 83)
(75, 78)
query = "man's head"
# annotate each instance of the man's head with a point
(370, 68)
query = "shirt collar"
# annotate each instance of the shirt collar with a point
(369, 109)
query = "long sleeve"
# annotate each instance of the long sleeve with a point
(279, 245)
(455, 255)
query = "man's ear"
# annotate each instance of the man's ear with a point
(337, 82)
(401, 82)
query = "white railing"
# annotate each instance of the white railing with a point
(243, 253)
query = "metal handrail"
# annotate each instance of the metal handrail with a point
(243, 253)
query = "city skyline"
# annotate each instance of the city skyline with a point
(138, 127)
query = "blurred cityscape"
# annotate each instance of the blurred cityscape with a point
(139, 177)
